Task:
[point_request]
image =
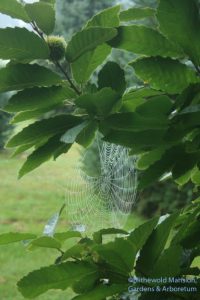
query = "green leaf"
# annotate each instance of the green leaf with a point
(21, 44)
(190, 238)
(70, 136)
(138, 141)
(75, 251)
(136, 13)
(140, 234)
(85, 65)
(160, 167)
(140, 93)
(168, 264)
(45, 242)
(32, 114)
(144, 40)
(44, 153)
(45, 21)
(111, 75)
(196, 176)
(179, 20)
(59, 276)
(165, 74)
(101, 103)
(44, 129)
(161, 106)
(107, 18)
(13, 237)
(120, 254)
(87, 135)
(103, 291)
(86, 284)
(98, 235)
(14, 9)
(39, 98)
(62, 236)
(150, 158)
(22, 76)
(134, 121)
(88, 39)
(154, 246)
(180, 168)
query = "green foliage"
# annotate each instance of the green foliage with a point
(159, 122)
(91, 261)
(86, 40)
(21, 44)
(45, 21)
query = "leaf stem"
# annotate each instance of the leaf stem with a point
(67, 76)
(57, 64)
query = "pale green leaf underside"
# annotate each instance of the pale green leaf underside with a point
(22, 76)
(21, 44)
(14, 9)
(87, 40)
(144, 40)
(85, 65)
(106, 18)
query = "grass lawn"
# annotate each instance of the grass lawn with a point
(26, 205)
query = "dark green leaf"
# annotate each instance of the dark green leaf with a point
(70, 136)
(160, 167)
(98, 235)
(87, 135)
(140, 234)
(22, 76)
(107, 18)
(75, 251)
(168, 264)
(44, 153)
(103, 291)
(59, 276)
(154, 246)
(45, 242)
(44, 129)
(165, 74)
(14, 9)
(112, 76)
(144, 40)
(39, 98)
(139, 141)
(134, 121)
(21, 44)
(13, 237)
(85, 65)
(150, 158)
(43, 15)
(136, 13)
(120, 254)
(86, 284)
(190, 238)
(101, 103)
(179, 20)
(88, 39)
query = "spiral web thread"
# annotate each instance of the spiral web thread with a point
(104, 200)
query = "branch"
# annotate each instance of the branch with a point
(67, 76)
(57, 64)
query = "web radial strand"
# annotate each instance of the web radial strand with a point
(106, 198)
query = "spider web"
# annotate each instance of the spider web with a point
(103, 199)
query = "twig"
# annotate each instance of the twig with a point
(57, 64)
(67, 76)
